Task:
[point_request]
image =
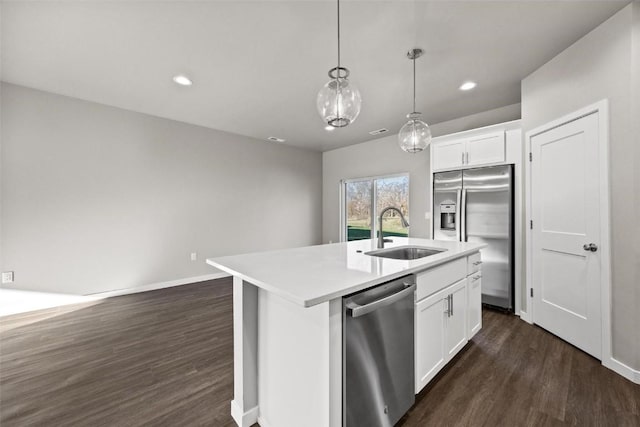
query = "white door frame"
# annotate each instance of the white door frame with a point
(602, 108)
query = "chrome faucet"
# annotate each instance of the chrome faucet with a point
(402, 219)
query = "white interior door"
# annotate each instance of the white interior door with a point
(565, 202)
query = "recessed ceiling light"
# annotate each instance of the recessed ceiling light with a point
(182, 80)
(275, 139)
(329, 128)
(468, 85)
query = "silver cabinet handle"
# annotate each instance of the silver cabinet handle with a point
(477, 263)
(476, 278)
(467, 158)
(449, 310)
(590, 247)
(451, 296)
(357, 310)
(463, 158)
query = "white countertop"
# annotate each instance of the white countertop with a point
(315, 274)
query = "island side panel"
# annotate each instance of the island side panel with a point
(244, 406)
(336, 354)
(295, 377)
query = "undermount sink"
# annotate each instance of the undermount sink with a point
(405, 252)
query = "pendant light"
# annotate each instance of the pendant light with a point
(415, 135)
(339, 100)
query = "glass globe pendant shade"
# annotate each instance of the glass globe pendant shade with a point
(339, 100)
(415, 135)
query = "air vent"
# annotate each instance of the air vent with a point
(275, 139)
(378, 132)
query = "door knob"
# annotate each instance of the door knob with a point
(590, 247)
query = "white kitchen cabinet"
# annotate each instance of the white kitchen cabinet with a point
(437, 278)
(456, 319)
(448, 312)
(485, 149)
(478, 150)
(473, 263)
(441, 330)
(474, 304)
(430, 338)
(448, 155)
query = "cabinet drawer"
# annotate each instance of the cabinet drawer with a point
(473, 263)
(440, 277)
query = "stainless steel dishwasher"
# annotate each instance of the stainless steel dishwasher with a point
(378, 354)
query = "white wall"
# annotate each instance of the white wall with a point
(596, 67)
(96, 198)
(384, 157)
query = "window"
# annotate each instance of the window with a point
(364, 199)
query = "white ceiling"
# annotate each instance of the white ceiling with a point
(257, 66)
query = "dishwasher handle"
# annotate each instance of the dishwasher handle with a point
(357, 310)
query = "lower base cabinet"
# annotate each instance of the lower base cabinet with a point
(441, 330)
(430, 338)
(456, 319)
(445, 320)
(474, 310)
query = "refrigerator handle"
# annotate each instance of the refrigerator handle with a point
(458, 213)
(463, 220)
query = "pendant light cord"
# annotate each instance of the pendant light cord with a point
(414, 137)
(338, 70)
(414, 82)
(338, 90)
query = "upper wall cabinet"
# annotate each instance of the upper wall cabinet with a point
(449, 155)
(477, 150)
(486, 149)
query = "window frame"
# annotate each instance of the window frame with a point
(374, 201)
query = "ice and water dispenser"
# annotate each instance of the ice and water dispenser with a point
(448, 215)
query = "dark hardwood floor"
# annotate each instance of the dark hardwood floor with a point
(165, 358)
(154, 358)
(515, 374)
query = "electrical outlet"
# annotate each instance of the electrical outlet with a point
(7, 276)
(194, 256)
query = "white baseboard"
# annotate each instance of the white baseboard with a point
(262, 422)
(525, 316)
(620, 368)
(156, 286)
(244, 419)
(14, 301)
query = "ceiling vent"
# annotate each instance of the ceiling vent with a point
(275, 139)
(378, 131)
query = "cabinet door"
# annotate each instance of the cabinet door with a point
(448, 155)
(486, 149)
(430, 336)
(456, 319)
(474, 306)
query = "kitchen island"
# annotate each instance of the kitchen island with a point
(287, 319)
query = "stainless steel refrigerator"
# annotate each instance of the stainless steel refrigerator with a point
(476, 205)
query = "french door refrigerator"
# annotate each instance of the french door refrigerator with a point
(476, 205)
